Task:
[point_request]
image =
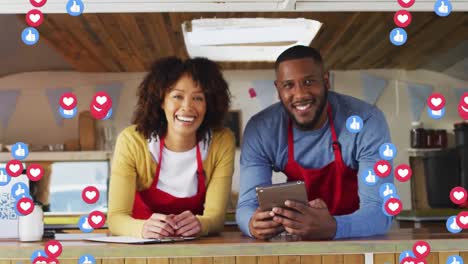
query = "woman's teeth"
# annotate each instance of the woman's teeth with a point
(185, 118)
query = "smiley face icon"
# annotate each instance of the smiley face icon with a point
(463, 107)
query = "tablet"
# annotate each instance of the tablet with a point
(276, 194)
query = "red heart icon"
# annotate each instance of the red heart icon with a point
(402, 18)
(408, 260)
(382, 168)
(103, 100)
(25, 206)
(393, 206)
(40, 260)
(90, 194)
(52, 261)
(463, 110)
(436, 101)
(403, 172)
(406, 3)
(53, 249)
(14, 168)
(100, 105)
(35, 172)
(96, 219)
(68, 101)
(34, 18)
(38, 3)
(421, 261)
(464, 99)
(421, 249)
(462, 219)
(458, 195)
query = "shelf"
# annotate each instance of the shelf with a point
(412, 152)
(61, 156)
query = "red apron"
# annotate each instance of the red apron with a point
(334, 183)
(153, 200)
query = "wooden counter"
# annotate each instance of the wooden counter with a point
(232, 247)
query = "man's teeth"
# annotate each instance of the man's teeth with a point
(302, 107)
(185, 118)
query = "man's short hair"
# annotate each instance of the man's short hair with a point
(299, 52)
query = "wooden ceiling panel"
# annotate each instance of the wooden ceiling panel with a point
(347, 40)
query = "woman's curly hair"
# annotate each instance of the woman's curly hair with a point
(149, 117)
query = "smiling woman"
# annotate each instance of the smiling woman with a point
(172, 170)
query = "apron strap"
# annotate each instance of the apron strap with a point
(290, 142)
(335, 143)
(161, 146)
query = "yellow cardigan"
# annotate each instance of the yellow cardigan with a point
(133, 169)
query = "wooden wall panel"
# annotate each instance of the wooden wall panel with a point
(158, 261)
(130, 42)
(246, 259)
(69, 261)
(385, 258)
(333, 259)
(315, 259)
(268, 260)
(180, 261)
(353, 259)
(443, 256)
(224, 260)
(379, 258)
(113, 261)
(289, 260)
(134, 261)
(433, 258)
(205, 260)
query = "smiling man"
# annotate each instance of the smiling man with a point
(305, 137)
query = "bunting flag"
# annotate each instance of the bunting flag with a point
(53, 96)
(418, 94)
(7, 106)
(113, 89)
(372, 87)
(459, 93)
(265, 92)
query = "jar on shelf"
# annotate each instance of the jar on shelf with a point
(418, 136)
(430, 138)
(440, 138)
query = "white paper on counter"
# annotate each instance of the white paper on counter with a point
(133, 240)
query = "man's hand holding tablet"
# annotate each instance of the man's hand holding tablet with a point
(286, 207)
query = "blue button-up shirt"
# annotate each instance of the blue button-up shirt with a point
(265, 149)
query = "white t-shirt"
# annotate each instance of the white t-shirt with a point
(178, 173)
